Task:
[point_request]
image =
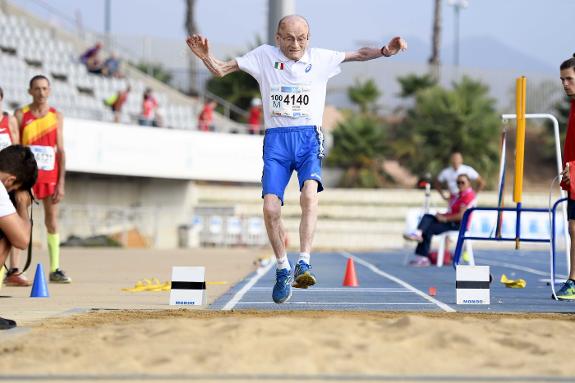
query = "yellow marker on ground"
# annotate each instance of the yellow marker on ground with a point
(154, 284)
(513, 283)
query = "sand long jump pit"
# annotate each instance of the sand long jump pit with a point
(129, 337)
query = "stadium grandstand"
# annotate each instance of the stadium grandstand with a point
(29, 46)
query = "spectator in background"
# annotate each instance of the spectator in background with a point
(206, 117)
(431, 225)
(150, 115)
(448, 177)
(91, 59)
(117, 101)
(255, 117)
(111, 67)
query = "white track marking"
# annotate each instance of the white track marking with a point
(341, 303)
(518, 267)
(376, 270)
(240, 294)
(342, 290)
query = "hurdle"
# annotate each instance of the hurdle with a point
(521, 116)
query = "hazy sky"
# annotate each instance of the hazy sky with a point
(544, 30)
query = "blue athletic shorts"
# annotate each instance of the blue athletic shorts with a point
(298, 148)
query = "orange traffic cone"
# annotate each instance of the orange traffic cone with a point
(350, 280)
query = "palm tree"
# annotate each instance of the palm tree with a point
(435, 40)
(364, 94)
(191, 28)
(442, 120)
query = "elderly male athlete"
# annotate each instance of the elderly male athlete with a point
(292, 79)
(41, 129)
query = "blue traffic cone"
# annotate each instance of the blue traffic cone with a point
(39, 288)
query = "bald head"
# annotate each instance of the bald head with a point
(292, 36)
(289, 21)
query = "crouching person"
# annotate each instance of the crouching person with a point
(18, 173)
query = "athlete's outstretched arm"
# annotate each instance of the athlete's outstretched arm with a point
(199, 45)
(395, 45)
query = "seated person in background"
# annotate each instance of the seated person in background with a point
(431, 225)
(91, 59)
(117, 101)
(111, 67)
(18, 173)
(255, 116)
(149, 116)
(206, 117)
(448, 176)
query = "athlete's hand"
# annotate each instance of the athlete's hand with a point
(58, 193)
(396, 45)
(198, 45)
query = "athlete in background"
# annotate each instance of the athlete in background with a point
(41, 129)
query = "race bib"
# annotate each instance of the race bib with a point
(5, 141)
(290, 101)
(45, 156)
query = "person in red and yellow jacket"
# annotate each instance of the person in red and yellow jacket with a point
(567, 73)
(41, 129)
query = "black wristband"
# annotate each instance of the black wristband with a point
(383, 51)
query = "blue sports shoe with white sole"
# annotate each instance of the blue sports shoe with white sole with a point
(303, 278)
(282, 289)
(567, 291)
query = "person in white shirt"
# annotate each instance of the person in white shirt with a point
(292, 79)
(18, 173)
(447, 178)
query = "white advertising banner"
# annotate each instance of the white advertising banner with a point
(117, 149)
(534, 225)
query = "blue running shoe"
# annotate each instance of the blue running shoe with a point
(282, 288)
(567, 291)
(303, 278)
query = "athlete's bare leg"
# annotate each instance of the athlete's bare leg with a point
(309, 203)
(274, 226)
(14, 259)
(572, 253)
(50, 215)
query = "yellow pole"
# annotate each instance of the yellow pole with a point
(521, 87)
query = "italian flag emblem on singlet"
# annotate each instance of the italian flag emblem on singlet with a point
(279, 65)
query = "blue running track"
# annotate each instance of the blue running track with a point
(386, 283)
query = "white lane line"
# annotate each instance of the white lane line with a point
(240, 294)
(518, 267)
(341, 290)
(376, 270)
(341, 303)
